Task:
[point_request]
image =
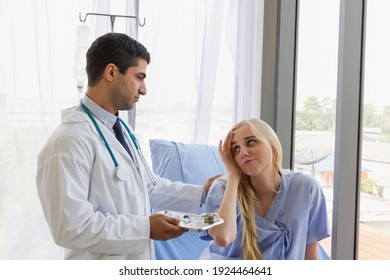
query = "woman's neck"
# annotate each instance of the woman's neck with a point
(266, 185)
(265, 191)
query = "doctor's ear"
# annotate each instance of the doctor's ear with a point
(110, 71)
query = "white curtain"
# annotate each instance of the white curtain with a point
(248, 59)
(243, 31)
(208, 65)
(205, 68)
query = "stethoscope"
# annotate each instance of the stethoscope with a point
(120, 172)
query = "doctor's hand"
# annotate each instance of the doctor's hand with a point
(163, 227)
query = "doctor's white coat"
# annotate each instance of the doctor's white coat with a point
(90, 212)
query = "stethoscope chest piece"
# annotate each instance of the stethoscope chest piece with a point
(121, 173)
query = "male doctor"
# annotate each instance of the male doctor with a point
(96, 193)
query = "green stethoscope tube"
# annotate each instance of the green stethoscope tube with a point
(119, 170)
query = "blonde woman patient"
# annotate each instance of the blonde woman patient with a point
(269, 213)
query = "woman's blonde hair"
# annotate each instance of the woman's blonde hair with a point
(246, 196)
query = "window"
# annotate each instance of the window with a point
(316, 89)
(374, 216)
(316, 94)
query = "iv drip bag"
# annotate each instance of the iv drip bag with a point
(82, 34)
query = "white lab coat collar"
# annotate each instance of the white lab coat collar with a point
(73, 116)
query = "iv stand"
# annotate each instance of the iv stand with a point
(112, 18)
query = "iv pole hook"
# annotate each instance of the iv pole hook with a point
(112, 18)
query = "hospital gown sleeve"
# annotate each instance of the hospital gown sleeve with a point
(318, 227)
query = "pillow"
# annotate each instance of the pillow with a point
(188, 163)
(165, 160)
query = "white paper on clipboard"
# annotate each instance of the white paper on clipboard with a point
(192, 222)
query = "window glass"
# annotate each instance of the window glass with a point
(374, 226)
(316, 94)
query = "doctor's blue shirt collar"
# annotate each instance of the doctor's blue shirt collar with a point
(104, 116)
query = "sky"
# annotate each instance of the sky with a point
(318, 50)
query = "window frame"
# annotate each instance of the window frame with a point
(278, 95)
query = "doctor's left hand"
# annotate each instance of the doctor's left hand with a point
(163, 227)
(209, 182)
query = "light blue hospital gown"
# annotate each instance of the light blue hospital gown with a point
(296, 217)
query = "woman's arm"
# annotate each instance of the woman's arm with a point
(312, 251)
(225, 233)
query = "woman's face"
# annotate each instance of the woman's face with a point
(250, 154)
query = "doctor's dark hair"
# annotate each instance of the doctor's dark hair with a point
(116, 48)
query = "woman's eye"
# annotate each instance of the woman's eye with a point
(251, 142)
(236, 150)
